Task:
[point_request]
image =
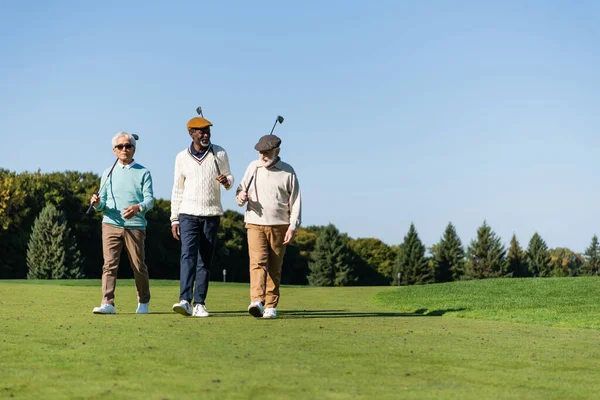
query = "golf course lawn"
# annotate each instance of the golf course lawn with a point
(496, 339)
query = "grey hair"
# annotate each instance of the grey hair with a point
(122, 133)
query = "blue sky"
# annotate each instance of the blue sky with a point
(395, 111)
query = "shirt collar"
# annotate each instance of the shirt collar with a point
(128, 166)
(196, 153)
(276, 164)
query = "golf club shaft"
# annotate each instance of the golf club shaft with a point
(199, 111)
(273, 128)
(101, 187)
(249, 183)
(280, 120)
(215, 160)
(217, 165)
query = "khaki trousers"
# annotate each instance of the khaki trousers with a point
(266, 250)
(113, 239)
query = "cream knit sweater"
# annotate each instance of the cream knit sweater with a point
(274, 195)
(196, 190)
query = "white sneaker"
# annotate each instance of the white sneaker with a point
(270, 313)
(183, 307)
(200, 311)
(142, 308)
(105, 309)
(256, 309)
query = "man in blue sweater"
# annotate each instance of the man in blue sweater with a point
(125, 199)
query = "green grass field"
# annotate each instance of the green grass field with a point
(497, 339)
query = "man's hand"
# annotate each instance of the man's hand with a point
(95, 200)
(175, 231)
(289, 236)
(243, 196)
(223, 180)
(131, 211)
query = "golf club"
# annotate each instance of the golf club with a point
(280, 120)
(210, 148)
(136, 137)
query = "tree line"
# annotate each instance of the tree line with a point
(45, 234)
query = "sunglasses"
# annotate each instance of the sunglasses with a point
(121, 146)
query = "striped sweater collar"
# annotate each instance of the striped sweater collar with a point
(198, 155)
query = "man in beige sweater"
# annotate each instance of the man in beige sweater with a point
(271, 189)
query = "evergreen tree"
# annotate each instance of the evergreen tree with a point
(592, 258)
(449, 256)
(52, 251)
(330, 263)
(516, 257)
(538, 257)
(486, 256)
(411, 262)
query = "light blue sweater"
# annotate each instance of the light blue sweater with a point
(127, 186)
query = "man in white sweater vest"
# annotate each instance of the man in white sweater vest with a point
(271, 189)
(196, 211)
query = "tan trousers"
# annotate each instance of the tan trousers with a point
(266, 250)
(113, 239)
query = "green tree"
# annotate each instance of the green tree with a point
(374, 261)
(448, 256)
(330, 263)
(565, 262)
(516, 260)
(232, 249)
(28, 192)
(13, 197)
(486, 256)
(592, 258)
(411, 263)
(162, 250)
(297, 256)
(52, 251)
(538, 257)
(13, 212)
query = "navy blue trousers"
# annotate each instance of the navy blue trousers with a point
(198, 240)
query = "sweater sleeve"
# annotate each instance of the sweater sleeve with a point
(225, 169)
(295, 203)
(177, 192)
(243, 186)
(147, 191)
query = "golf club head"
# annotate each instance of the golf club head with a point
(199, 111)
(280, 120)
(135, 136)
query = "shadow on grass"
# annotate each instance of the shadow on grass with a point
(437, 313)
(289, 314)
